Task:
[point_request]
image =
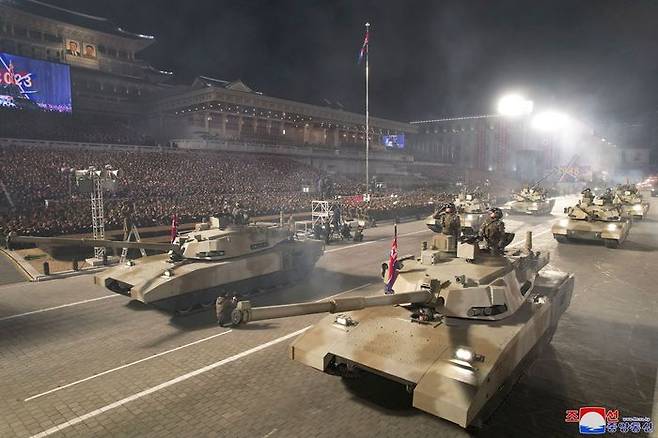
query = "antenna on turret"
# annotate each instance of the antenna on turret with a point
(528, 240)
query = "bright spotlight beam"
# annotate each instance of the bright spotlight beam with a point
(550, 121)
(514, 105)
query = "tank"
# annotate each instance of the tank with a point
(457, 332)
(472, 209)
(213, 260)
(532, 201)
(596, 220)
(632, 203)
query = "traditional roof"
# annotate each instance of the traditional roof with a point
(237, 85)
(80, 19)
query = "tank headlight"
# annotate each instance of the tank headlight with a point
(465, 357)
(168, 273)
(469, 217)
(534, 204)
(637, 207)
(612, 227)
(130, 263)
(345, 320)
(564, 222)
(464, 354)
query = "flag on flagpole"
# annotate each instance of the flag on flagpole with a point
(174, 228)
(364, 48)
(392, 272)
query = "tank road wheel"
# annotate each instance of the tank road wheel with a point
(561, 238)
(611, 243)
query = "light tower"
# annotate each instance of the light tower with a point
(95, 182)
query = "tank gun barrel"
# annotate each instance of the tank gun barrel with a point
(86, 242)
(542, 179)
(244, 313)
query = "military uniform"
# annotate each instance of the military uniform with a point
(450, 223)
(224, 305)
(493, 233)
(588, 197)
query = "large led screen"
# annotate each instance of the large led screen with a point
(27, 83)
(393, 141)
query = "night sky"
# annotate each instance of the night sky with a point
(596, 59)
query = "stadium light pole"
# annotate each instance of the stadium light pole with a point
(367, 43)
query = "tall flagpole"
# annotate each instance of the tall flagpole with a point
(367, 112)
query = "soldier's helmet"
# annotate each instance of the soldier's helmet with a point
(449, 207)
(587, 191)
(495, 213)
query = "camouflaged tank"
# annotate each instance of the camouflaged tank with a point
(596, 220)
(457, 332)
(632, 203)
(213, 260)
(531, 201)
(472, 209)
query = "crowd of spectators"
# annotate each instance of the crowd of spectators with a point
(69, 127)
(156, 185)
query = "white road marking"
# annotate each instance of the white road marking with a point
(344, 292)
(48, 309)
(86, 379)
(166, 384)
(374, 241)
(270, 433)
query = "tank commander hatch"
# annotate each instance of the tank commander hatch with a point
(240, 216)
(448, 219)
(587, 196)
(609, 197)
(492, 231)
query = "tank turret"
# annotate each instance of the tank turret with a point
(532, 201)
(457, 332)
(472, 209)
(217, 239)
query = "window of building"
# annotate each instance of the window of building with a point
(52, 38)
(123, 54)
(20, 31)
(111, 52)
(101, 49)
(35, 34)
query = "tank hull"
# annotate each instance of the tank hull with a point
(384, 341)
(189, 283)
(538, 208)
(565, 230)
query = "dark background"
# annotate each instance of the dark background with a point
(596, 59)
